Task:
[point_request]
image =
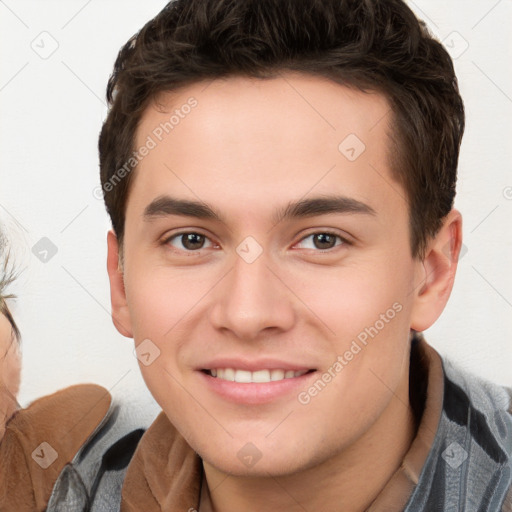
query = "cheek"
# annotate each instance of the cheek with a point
(10, 371)
(157, 307)
(367, 312)
(357, 296)
(163, 303)
(160, 300)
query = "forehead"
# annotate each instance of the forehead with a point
(247, 107)
(286, 135)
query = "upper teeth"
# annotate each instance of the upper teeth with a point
(257, 376)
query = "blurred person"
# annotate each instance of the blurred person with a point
(38, 441)
(10, 356)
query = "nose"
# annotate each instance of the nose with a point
(252, 299)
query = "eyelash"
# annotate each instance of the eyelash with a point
(344, 241)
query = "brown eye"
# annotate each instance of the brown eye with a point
(192, 241)
(189, 241)
(324, 241)
(321, 241)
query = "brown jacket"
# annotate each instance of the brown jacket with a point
(41, 439)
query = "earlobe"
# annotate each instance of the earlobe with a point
(436, 273)
(120, 312)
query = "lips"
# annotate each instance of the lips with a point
(255, 386)
(264, 375)
(251, 381)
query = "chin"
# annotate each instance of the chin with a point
(261, 458)
(282, 465)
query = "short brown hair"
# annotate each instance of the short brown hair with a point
(373, 45)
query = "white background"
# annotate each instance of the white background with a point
(51, 114)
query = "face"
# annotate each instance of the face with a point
(9, 372)
(270, 312)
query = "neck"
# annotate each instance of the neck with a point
(350, 480)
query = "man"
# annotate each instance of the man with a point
(280, 177)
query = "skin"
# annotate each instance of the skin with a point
(249, 148)
(10, 371)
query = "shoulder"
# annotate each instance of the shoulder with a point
(41, 439)
(93, 479)
(484, 410)
(164, 469)
(469, 466)
(117, 457)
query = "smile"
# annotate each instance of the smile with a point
(258, 376)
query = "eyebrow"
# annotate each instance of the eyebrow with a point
(165, 205)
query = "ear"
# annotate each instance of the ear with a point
(120, 312)
(436, 273)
